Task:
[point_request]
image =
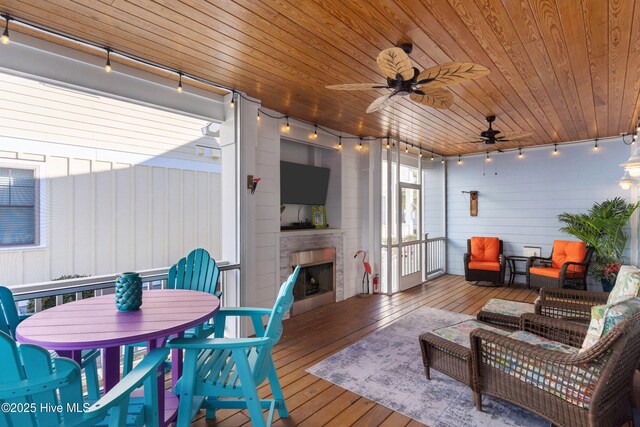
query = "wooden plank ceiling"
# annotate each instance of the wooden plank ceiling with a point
(562, 70)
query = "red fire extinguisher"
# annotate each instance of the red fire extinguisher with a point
(376, 284)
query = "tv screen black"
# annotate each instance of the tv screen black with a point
(303, 184)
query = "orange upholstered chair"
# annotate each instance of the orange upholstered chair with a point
(566, 267)
(484, 261)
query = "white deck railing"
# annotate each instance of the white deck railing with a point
(99, 285)
(435, 256)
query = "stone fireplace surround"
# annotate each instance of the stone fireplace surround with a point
(306, 240)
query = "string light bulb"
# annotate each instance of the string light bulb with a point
(107, 66)
(555, 149)
(420, 153)
(233, 100)
(315, 132)
(459, 159)
(340, 142)
(258, 115)
(488, 159)
(442, 161)
(520, 155)
(5, 35)
(388, 143)
(287, 127)
(406, 148)
(360, 144)
(179, 88)
(595, 147)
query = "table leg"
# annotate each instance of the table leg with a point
(176, 363)
(153, 344)
(76, 355)
(111, 367)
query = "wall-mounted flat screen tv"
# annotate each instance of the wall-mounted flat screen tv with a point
(303, 184)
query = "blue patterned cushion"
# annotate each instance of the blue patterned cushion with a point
(459, 333)
(508, 307)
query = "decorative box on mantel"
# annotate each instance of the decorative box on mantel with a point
(308, 240)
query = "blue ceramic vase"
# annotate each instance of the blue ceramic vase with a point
(607, 284)
(128, 292)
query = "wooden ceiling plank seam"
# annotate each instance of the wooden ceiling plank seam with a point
(596, 17)
(632, 81)
(573, 28)
(477, 54)
(498, 18)
(619, 37)
(498, 55)
(545, 15)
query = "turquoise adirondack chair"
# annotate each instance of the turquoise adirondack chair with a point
(9, 320)
(36, 390)
(197, 272)
(221, 373)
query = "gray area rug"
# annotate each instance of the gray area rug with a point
(386, 367)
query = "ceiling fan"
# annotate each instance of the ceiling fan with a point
(404, 79)
(492, 136)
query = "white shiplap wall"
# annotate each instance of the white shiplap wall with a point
(121, 185)
(520, 204)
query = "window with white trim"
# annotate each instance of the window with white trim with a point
(18, 206)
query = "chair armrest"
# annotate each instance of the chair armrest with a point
(466, 257)
(565, 310)
(9, 390)
(565, 266)
(217, 343)
(255, 313)
(562, 331)
(579, 297)
(243, 311)
(133, 380)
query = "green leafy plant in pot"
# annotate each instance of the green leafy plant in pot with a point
(602, 228)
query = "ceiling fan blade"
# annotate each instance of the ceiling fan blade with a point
(436, 98)
(510, 136)
(394, 63)
(380, 103)
(451, 73)
(357, 86)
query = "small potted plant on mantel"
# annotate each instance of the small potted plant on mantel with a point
(602, 228)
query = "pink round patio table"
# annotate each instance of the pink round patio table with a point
(96, 323)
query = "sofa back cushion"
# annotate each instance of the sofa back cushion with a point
(485, 249)
(627, 285)
(568, 251)
(605, 317)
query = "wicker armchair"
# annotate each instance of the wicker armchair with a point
(566, 267)
(484, 261)
(591, 388)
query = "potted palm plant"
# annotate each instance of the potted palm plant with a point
(602, 228)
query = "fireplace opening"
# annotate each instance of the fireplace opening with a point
(316, 283)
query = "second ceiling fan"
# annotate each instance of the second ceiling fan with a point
(424, 87)
(492, 136)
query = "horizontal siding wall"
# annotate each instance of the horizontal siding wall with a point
(521, 202)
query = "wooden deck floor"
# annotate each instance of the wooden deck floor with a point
(312, 337)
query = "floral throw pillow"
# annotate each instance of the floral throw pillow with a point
(605, 317)
(627, 285)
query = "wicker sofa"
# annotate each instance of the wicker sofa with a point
(590, 388)
(484, 261)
